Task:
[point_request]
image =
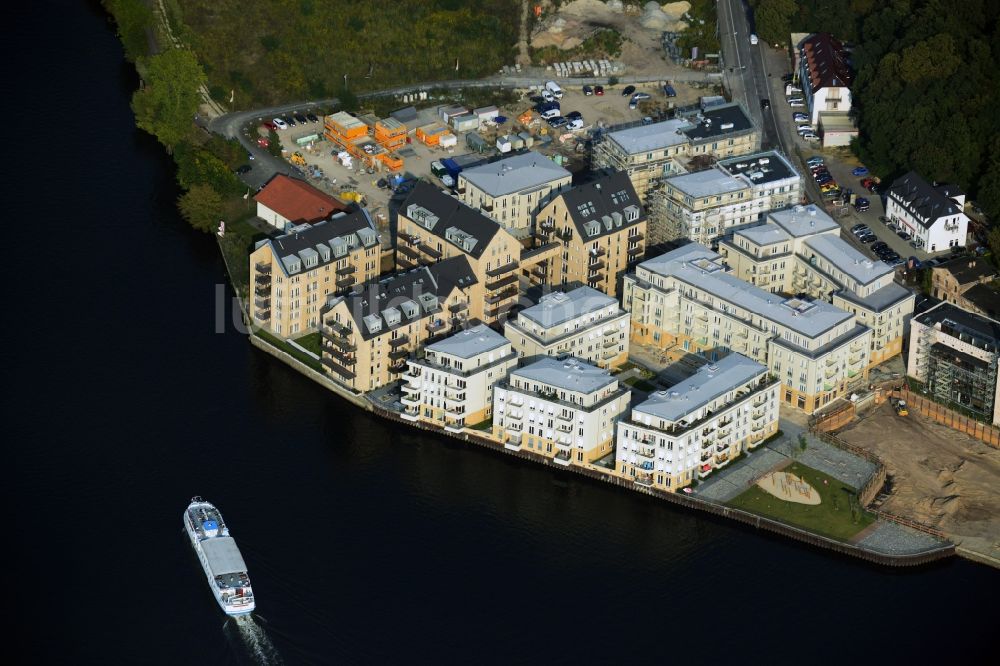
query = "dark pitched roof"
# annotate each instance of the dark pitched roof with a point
(924, 201)
(450, 219)
(297, 200)
(968, 269)
(601, 206)
(984, 298)
(827, 61)
(326, 241)
(426, 288)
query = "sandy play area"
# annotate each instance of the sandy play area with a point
(789, 487)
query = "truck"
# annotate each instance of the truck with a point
(554, 88)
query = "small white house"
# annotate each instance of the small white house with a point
(932, 214)
(486, 113)
(504, 144)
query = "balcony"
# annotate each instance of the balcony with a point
(501, 295)
(397, 354)
(407, 251)
(262, 315)
(514, 426)
(501, 283)
(456, 411)
(263, 290)
(634, 238)
(263, 278)
(706, 455)
(599, 252)
(404, 264)
(412, 239)
(411, 413)
(262, 268)
(345, 358)
(563, 458)
(634, 251)
(757, 427)
(262, 303)
(498, 310)
(609, 354)
(513, 444)
(539, 271)
(595, 264)
(337, 368)
(759, 414)
(609, 342)
(854, 359)
(704, 471)
(401, 340)
(827, 386)
(410, 401)
(721, 446)
(342, 344)
(644, 480)
(338, 328)
(346, 281)
(458, 307)
(346, 270)
(429, 251)
(724, 432)
(830, 372)
(500, 270)
(830, 361)
(397, 367)
(759, 401)
(565, 427)
(435, 325)
(562, 416)
(722, 460)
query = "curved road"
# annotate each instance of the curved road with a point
(236, 125)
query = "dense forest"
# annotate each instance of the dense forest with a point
(286, 50)
(927, 92)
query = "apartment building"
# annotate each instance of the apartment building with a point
(293, 274)
(690, 298)
(799, 251)
(954, 352)
(705, 205)
(701, 424)
(600, 229)
(368, 334)
(826, 76)
(648, 153)
(285, 202)
(584, 323)
(451, 383)
(513, 190)
(953, 279)
(564, 410)
(433, 226)
(932, 214)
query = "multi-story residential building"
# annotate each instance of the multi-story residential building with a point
(513, 190)
(705, 205)
(689, 298)
(826, 76)
(600, 228)
(699, 425)
(799, 251)
(584, 323)
(932, 214)
(368, 334)
(433, 226)
(293, 275)
(648, 153)
(564, 410)
(952, 280)
(954, 352)
(284, 202)
(451, 383)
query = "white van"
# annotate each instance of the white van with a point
(554, 88)
(753, 39)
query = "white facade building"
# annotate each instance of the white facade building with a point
(699, 425)
(826, 76)
(452, 385)
(584, 323)
(564, 410)
(932, 214)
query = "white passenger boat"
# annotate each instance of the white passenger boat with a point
(224, 566)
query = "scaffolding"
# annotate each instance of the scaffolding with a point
(953, 377)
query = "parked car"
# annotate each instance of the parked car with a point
(573, 115)
(753, 39)
(809, 136)
(279, 124)
(796, 105)
(647, 120)
(861, 207)
(669, 91)
(905, 235)
(588, 91)
(312, 118)
(867, 182)
(829, 186)
(815, 160)
(289, 121)
(245, 168)
(819, 168)
(547, 96)
(798, 115)
(765, 104)
(300, 119)
(628, 90)
(598, 90)
(270, 125)
(868, 238)
(859, 171)
(891, 226)
(823, 179)
(861, 201)
(575, 124)
(880, 247)
(549, 114)
(802, 129)
(558, 122)
(858, 227)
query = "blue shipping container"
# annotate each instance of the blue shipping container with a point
(452, 167)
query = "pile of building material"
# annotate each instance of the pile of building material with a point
(587, 68)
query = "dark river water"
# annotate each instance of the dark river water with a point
(366, 543)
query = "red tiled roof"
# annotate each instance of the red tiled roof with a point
(298, 201)
(827, 61)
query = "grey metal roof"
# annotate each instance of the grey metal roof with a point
(710, 182)
(718, 121)
(521, 172)
(842, 255)
(924, 201)
(760, 168)
(479, 339)
(223, 556)
(558, 307)
(570, 375)
(648, 138)
(801, 221)
(880, 299)
(451, 214)
(701, 388)
(699, 267)
(607, 199)
(764, 234)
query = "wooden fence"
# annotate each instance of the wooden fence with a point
(949, 417)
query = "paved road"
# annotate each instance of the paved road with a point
(237, 125)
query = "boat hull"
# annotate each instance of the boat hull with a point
(227, 608)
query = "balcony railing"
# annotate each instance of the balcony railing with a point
(500, 270)
(397, 354)
(346, 281)
(263, 278)
(262, 303)
(458, 307)
(429, 251)
(262, 268)
(435, 325)
(401, 340)
(337, 368)
(345, 358)
(502, 282)
(346, 270)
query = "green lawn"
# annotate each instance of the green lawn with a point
(832, 517)
(236, 247)
(311, 342)
(485, 426)
(285, 347)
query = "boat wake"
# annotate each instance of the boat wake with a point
(256, 641)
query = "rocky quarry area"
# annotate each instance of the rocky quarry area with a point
(575, 21)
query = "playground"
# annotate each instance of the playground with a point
(805, 497)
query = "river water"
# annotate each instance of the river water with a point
(366, 542)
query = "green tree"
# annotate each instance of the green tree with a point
(201, 206)
(133, 18)
(989, 187)
(198, 166)
(273, 143)
(774, 19)
(166, 105)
